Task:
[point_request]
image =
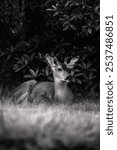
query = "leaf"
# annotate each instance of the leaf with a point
(39, 55)
(32, 56)
(37, 71)
(92, 70)
(21, 62)
(97, 27)
(79, 74)
(20, 68)
(56, 13)
(76, 70)
(67, 3)
(85, 56)
(9, 56)
(54, 7)
(89, 30)
(26, 62)
(86, 77)
(65, 28)
(72, 26)
(16, 66)
(17, 58)
(50, 9)
(32, 72)
(28, 76)
(90, 76)
(78, 81)
(84, 65)
(89, 65)
(97, 8)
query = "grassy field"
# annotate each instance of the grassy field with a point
(46, 127)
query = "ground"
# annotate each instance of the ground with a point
(44, 126)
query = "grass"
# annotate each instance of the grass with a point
(56, 127)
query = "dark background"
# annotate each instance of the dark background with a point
(29, 29)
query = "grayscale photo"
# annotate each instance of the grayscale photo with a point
(49, 75)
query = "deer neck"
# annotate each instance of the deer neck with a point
(60, 89)
(59, 84)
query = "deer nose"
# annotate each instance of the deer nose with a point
(68, 79)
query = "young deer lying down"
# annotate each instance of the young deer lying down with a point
(57, 91)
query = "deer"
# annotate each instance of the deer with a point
(49, 92)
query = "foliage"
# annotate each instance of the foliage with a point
(30, 29)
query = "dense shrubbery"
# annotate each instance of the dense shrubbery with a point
(63, 28)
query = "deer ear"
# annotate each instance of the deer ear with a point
(56, 62)
(72, 62)
(52, 61)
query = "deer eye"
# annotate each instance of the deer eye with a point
(59, 69)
